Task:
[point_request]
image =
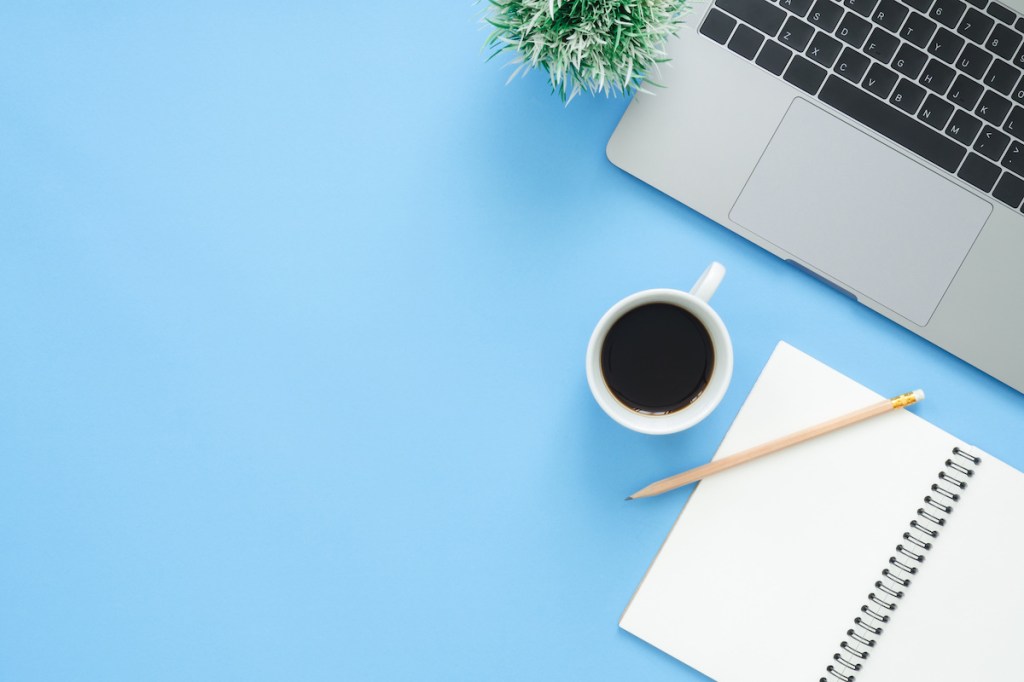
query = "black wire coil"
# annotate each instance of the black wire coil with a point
(876, 611)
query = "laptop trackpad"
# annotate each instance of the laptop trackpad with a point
(875, 221)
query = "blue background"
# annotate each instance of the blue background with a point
(295, 299)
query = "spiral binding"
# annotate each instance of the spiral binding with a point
(903, 564)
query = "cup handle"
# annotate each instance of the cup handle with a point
(705, 287)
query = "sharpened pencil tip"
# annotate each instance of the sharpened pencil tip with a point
(629, 498)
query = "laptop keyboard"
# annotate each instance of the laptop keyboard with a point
(942, 78)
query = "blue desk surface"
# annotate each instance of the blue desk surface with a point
(295, 301)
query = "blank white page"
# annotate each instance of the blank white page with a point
(768, 563)
(962, 617)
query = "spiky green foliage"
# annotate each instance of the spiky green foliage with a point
(607, 46)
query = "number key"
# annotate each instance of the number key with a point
(947, 12)
(1003, 41)
(975, 26)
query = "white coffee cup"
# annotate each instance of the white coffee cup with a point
(696, 303)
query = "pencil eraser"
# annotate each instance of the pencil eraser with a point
(918, 395)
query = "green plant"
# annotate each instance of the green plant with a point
(607, 46)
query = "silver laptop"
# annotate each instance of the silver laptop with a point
(876, 144)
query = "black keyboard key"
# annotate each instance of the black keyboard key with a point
(797, 7)
(975, 26)
(980, 4)
(861, 7)
(973, 61)
(1004, 41)
(1019, 24)
(718, 26)
(880, 80)
(979, 172)
(919, 5)
(963, 128)
(851, 65)
(1002, 77)
(1009, 189)
(1017, 93)
(992, 108)
(917, 30)
(909, 61)
(890, 15)
(937, 77)
(1014, 158)
(1019, 59)
(773, 57)
(824, 49)
(825, 15)
(760, 14)
(945, 45)
(796, 34)
(1001, 13)
(853, 30)
(745, 41)
(907, 96)
(991, 143)
(890, 123)
(805, 75)
(1015, 123)
(881, 45)
(965, 92)
(947, 12)
(935, 112)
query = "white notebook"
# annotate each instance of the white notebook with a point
(856, 555)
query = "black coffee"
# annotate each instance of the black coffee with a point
(657, 358)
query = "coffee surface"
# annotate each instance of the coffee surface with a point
(657, 358)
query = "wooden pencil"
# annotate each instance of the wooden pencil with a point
(696, 474)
